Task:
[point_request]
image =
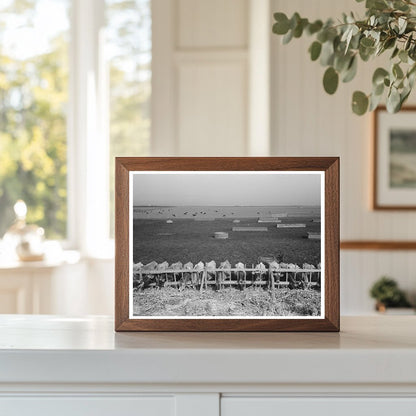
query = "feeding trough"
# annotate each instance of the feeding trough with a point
(220, 235)
(290, 225)
(251, 229)
(269, 219)
(313, 236)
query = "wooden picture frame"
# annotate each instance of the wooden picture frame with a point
(391, 178)
(129, 168)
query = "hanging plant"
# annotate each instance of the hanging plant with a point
(389, 27)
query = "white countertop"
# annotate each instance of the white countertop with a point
(49, 349)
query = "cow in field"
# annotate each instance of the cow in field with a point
(161, 276)
(241, 275)
(307, 276)
(259, 272)
(137, 267)
(293, 276)
(223, 274)
(175, 266)
(274, 275)
(210, 272)
(198, 273)
(141, 279)
(187, 276)
(136, 274)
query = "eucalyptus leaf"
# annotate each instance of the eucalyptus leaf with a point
(288, 37)
(367, 42)
(403, 56)
(379, 75)
(327, 54)
(350, 73)
(315, 50)
(330, 80)
(314, 27)
(281, 27)
(408, 42)
(389, 43)
(366, 53)
(374, 101)
(402, 22)
(404, 96)
(397, 71)
(341, 62)
(298, 30)
(395, 52)
(378, 89)
(359, 103)
(376, 4)
(393, 101)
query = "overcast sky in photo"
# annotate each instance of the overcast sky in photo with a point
(243, 189)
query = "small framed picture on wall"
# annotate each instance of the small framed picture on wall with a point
(227, 244)
(394, 177)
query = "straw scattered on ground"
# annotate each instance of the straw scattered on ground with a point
(226, 302)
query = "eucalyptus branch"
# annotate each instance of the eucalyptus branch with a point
(389, 25)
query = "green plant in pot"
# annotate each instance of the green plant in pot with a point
(387, 294)
(389, 27)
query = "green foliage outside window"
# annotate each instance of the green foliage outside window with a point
(33, 99)
(34, 103)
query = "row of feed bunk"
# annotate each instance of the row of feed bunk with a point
(267, 273)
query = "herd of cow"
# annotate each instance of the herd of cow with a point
(201, 275)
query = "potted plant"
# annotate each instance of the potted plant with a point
(387, 294)
(389, 27)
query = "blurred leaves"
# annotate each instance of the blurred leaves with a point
(33, 100)
(34, 105)
(330, 80)
(388, 26)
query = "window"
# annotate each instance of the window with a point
(129, 43)
(75, 87)
(33, 97)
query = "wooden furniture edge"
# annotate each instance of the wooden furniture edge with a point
(377, 245)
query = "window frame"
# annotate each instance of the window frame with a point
(87, 133)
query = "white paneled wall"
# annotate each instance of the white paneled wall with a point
(203, 67)
(308, 122)
(212, 103)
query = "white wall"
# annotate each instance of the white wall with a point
(202, 83)
(308, 122)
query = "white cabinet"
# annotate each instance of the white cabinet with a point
(88, 406)
(269, 406)
(51, 365)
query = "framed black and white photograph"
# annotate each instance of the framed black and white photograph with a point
(394, 183)
(227, 244)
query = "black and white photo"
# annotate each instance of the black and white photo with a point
(228, 244)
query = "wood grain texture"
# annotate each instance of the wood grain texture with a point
(121, 244)
(378, 245)
(330, 165)
(376, 204)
